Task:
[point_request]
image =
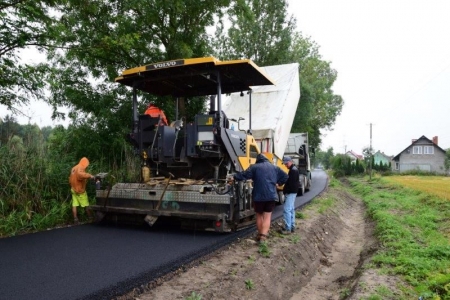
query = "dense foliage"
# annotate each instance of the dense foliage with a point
(447, 160)
(343, 165)
(323, 158)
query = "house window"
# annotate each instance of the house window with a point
(428, 150)
(417, 150)
(397, 165)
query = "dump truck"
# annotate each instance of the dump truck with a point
(297, 148)
(186, 166)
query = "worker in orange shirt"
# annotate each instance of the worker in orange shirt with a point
(78, 179)
(155, 112)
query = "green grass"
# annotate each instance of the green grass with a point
(20, 221)
(249, 285)
(194, 296)
(344, 293)
(324, 204)
(294, 239)
(334, 183)
(411, 226)
(264, 249)
(299, 215)
(373, 297)
(251, 259)
(384, 292)
(381, 293)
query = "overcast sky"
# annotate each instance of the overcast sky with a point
(393, 64)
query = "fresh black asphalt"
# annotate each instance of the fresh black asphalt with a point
(95, 261)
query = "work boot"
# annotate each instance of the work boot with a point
(284, 231)
(75, 221)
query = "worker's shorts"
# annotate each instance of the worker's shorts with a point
(263, 206)
(79, 199)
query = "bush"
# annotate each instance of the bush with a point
(342, 166)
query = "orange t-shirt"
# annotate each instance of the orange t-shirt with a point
(78, 176)
(155, 112)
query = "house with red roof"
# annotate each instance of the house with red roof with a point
(354, 156)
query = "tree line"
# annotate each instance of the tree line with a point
(343, 165)
(87, 44)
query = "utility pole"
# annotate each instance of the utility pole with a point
(370, 151)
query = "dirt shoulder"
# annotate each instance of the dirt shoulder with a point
(323, 259)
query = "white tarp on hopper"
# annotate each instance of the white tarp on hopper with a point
(273, 108)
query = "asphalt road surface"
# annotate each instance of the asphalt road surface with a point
(95, 261)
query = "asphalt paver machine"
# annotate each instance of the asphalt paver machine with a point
(185, 166)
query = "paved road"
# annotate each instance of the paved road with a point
(99, 262)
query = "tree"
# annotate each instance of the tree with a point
(327, 158)
(368, 153)
(101, 38)
(264, 32)
(260, 30)
(8, 128)
(318, 106)
(46, 131)
(23, 24)
(317, 159)
(341, 165)
(447, 160)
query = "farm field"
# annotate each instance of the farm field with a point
(435, 185)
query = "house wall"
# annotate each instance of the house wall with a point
(377, 157)
(426, 162)
(352, 158)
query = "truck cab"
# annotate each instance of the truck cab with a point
(298, 149)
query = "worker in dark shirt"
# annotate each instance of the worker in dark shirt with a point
(290, 190)
(265, 177)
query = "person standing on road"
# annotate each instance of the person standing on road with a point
(78, 179)
(265, 177)
(290, 191)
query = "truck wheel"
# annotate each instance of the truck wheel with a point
(308, 186)
(301, 190)
(280, 198)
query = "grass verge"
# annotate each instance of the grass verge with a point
(53, 214)
(412, 227)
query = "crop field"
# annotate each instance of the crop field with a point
(439, 186)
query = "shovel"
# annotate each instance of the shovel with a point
(150, 220)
